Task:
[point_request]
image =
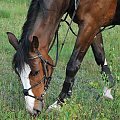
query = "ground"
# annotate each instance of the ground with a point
(88, 84)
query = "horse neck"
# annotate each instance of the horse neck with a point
(45, 28)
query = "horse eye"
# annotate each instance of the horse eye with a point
(35, 73)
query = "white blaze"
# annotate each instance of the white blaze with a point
(26, 84)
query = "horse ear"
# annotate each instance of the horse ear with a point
(13, 40)
(35, 43)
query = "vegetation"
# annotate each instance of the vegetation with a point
(89, 83)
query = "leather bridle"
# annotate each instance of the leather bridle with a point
(46, 79)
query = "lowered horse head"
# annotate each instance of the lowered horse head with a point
(31, 60)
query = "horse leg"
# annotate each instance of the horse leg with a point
(98, 50)
(85, 38)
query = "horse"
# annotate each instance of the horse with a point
(32, 62)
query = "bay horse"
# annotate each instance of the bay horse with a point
(32, 62)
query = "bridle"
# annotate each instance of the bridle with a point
(46, 79)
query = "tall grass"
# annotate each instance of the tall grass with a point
(82, 105)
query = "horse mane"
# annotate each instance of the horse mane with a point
(21, 56)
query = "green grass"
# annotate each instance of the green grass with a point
(82, 105)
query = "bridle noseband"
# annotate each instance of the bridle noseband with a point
(46, 79)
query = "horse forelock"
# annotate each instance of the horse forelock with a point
(21, 56)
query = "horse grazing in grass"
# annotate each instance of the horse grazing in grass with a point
(32, 62)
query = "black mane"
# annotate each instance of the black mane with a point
(21, 56)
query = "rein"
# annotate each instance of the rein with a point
(69, 24)
(69, 28)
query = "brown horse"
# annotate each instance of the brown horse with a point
(32, 62)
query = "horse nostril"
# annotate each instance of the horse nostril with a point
(36, 112)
